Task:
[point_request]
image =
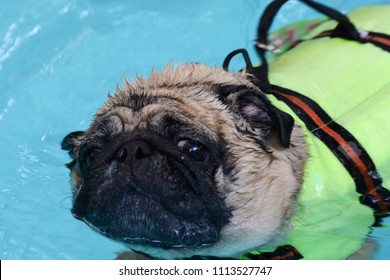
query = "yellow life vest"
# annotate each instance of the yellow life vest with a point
(350, 81)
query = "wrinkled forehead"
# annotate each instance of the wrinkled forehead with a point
(185, 110)
(187, 99)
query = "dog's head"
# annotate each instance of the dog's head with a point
(191, 161)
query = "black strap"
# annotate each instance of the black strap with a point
(248, 63)
(284, 252)
(345, 29)
(342, 143)
(380, 40)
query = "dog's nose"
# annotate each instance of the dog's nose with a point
(134, 151)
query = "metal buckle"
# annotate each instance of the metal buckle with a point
(269, 47)
(362, 33)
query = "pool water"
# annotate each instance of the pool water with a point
(58, 61)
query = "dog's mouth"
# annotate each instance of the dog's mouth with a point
(142, 221)
(150, 196)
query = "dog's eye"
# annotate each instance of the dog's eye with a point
(88, 156)
(192, 149)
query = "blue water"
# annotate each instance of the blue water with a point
(59, 60)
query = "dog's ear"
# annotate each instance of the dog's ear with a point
(71, 141)
(258, 112)
(284, 126)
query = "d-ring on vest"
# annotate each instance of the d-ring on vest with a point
(336, 84)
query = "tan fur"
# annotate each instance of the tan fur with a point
(262, 191)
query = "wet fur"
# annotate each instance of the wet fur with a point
(259, 178)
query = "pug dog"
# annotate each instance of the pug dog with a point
(192, 160)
